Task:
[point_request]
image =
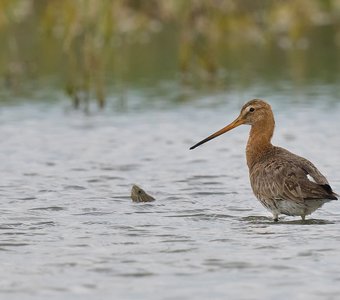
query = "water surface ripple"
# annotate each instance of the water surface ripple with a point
(68, 229)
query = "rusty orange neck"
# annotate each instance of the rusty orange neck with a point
(259, 142)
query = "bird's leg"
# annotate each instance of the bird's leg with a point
(276, 217)
(303, 217)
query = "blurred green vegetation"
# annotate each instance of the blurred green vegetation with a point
(91, 48)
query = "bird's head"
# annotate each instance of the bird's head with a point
(254, 111)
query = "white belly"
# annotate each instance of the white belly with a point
(292, 208)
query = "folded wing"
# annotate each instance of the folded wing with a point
(290, 177)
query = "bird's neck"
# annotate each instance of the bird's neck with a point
(259, 142)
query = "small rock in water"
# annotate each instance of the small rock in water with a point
(139, 195)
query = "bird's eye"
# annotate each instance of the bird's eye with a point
(251, 109)
(139, 192)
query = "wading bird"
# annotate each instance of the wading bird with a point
(283, 182)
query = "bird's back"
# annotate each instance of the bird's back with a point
(280, 174)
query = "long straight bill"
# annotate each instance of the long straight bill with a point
(232, 125)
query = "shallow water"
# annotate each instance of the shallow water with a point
(68, 229)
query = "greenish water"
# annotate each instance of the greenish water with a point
(33, 64)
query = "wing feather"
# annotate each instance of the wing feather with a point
(285, 176)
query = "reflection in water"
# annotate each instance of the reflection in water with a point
(282, 220)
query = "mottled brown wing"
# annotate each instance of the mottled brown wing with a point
(279, 178)
(310, 170)
(307, 166)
